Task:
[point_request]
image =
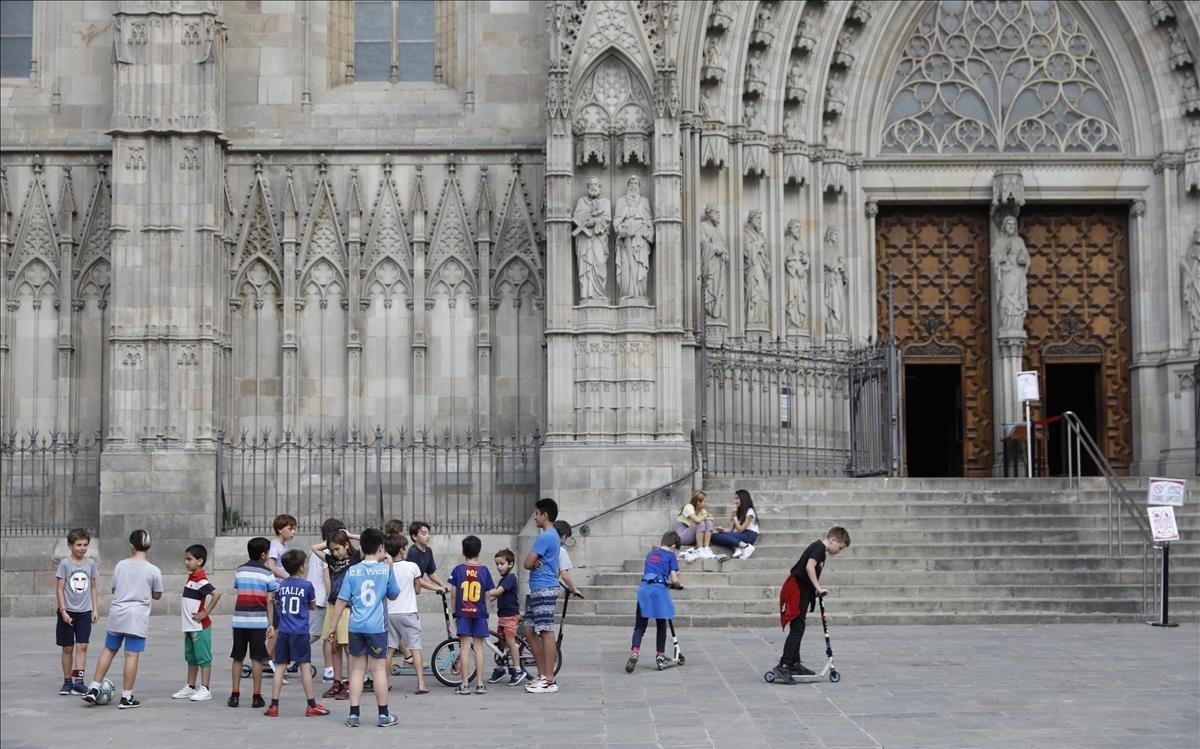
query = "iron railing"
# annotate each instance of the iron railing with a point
(666, 491)
(456, 484)
(49, 483)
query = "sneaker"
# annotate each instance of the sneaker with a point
(481, 689)
(258, 701)
(737, 553)
(128, 703)
(352, 721)
(690, 555)
(631, 664)
(463, 689)
(802, 670)
(312, 711)
(746, 552)
(91, 696)
(498, 674)
(661, 662)
(344, 690)
(518, 677)
(333, 690)
(66, 687)
(535, 685)
(550, 686)
(293, 668)
(721, 557)
(78, 688)
(368, 685)
(707, 553)
(784, 675)
(233, 699)
(387, 721)
(327, 674)
(184, 693)
(272, 711)
(202, 694)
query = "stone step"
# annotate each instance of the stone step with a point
(973, 605)
(843, 564)
(801, 510)
(696, 590)
(859, 538)
(772, 549)
(840, 619)
(725, 485)
(751, 576)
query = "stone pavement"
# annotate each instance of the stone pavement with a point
(1056, 686)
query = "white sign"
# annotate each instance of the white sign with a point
(1027, 386)
(1166, 492)
(1162, 523)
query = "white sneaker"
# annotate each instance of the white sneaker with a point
(707, 553)
(184, 693)
(537, 685)
(690, 555)
(746, 552)
(328, 674)
(202, 694)
(550, 686)
(737, 553)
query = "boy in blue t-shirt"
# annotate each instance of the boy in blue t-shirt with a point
(471, 583)
(660, 573)
(542, 563)
(296, 597)
(363, 590)
(508, 613)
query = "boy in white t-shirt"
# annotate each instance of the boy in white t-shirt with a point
(316, 575)
(403, 621)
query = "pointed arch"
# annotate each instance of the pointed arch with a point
(613, 26)
(258, 236)
(323, 235)
(452, 254)
(37, 237)
(387, 239)
(517, 239)
(96, 243)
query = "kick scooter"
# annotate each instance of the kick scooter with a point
(677, 658)
(829, 671)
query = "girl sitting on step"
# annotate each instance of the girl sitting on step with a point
(743, 534)
(695, 526)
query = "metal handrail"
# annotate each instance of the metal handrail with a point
(582, 525)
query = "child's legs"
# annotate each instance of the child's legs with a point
(256, 676)
(68, 660)
(704, 531)
(358, 667)
(192, 670)
(419, 665)
(111, 643)
(791, 646)
(277, 681)
(549, 655)
(732, 540)
(660, 636)
(639, 627)
(338, 652)
(306, 678)
(687, 534)
(479, 660)
(514, 652)
(464, 657)
(379, 675)
(235, 670)
(129, 676)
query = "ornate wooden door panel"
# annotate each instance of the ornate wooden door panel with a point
(939, 260)
(1079, 305)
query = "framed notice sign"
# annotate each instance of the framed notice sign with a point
(1166, 492)
(1162, 523)
(1027, 386)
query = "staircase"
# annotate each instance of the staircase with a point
(927, 551)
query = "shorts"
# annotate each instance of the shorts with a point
(133, 643)
(404, 628)
(197, 648)
(79, 631)
(507, 626)
(292, 648)
(539, 614)
(370, 644)
(252, 640)
(471, 626)
(343, 626)
(316, 622)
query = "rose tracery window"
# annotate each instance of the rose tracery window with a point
(1008, 76)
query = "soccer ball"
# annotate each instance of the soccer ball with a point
(105, 692)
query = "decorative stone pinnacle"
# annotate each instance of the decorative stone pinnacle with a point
(258, 163)
(322, 163)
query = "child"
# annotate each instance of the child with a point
(252, 616)
(296, 598)
(393, 527)
(285, 530)
(471, 583)
(695, 526)
(403, 621)
(135, 583)
(421, 555)
(508, 613)
(199, 601)
(542, 563)
(362, 592)
(563, 528)
(743, 533)
(78, 609)
(798, 596)
(315, 574)
(661, 572)
(340, 555)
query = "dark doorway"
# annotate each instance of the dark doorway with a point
(1072, 387)
(933, 419)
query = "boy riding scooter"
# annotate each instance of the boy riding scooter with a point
(799, 596)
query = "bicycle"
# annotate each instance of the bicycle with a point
(447, 667)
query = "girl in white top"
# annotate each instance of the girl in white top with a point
(743, 533)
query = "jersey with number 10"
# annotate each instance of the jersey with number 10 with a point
(471, 583)
(366, 587)
(293, 597)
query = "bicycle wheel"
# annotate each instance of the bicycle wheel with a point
(446, 665)
(527, 659)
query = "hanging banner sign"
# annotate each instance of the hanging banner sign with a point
(1027, 386)
(1166, 492)
(1162, 523)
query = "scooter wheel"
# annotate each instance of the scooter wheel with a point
(312, 670)
(834, 676)
(769, 677)
(682, 660)
(246, 672)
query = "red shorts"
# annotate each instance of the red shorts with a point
(507, 626)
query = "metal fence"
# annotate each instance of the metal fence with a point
(49, 483)
(457, 485)
(784, 410)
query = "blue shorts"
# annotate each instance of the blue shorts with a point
(79, 631)
(370, 644)
(539, 613)
(133, 643)
(292, 648)
(471, 626)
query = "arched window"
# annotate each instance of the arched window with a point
(16, 38)
(394, 40)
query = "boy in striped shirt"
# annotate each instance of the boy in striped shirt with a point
(253, 613)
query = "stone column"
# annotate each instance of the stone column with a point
(9, 305)
(1008, 336)
(157, 470)
(353, 304)
(483, 306)
(67, 308)
(420, 348)
(291, 344)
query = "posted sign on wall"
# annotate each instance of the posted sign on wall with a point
(1166, 492)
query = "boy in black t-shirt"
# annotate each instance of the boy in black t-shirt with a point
(799, 596)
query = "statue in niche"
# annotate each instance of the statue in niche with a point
(1010, 263)
(715, 253)
(757, 262)
(752, 116)
(755, 83)
(593, 216)
(796, 265)
(797, 83)
(793, 125)
(835, 286)
(711, 108)
(715, 59)
(634, 224)
(1191, 284)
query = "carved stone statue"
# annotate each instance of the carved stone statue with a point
(757, 266)
(715, 59)
(634, 224)
(711, 107)
(793, 125)
(1191, 284)
(755, 82)
(1180, 54)
(715, 254)
(1010, 263)
(797, 83)
(835, 285)
(796, 266)
(593, 216)
(752, 116)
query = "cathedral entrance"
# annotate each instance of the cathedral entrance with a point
(1072, 387)
(933, 423)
